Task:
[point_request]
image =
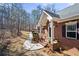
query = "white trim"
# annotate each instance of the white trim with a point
(71, 23)
(48, 15)
(48, 32)
(52, 33)
(49, 18)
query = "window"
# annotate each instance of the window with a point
(71, 30)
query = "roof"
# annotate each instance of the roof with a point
(52, 14)
(69, 11)
(67, 14)
(75, 18)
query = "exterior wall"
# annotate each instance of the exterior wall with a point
(57, 31)
(65, 41)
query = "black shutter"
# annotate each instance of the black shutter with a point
(63, 31)
(78, 30)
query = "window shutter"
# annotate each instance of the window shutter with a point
(78, 30)
(63, 31)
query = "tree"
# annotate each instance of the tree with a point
(13, 17)
(50, 7)
(36, 14)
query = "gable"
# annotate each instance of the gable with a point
(47, 16)
(42, 20)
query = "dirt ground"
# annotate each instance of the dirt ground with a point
(15, 48)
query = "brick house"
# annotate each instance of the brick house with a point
(62, 26)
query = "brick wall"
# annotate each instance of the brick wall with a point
(65, 41)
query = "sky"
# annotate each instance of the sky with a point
(58, 6)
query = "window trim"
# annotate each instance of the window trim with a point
(71, 23)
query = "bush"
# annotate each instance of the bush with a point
(35, 38)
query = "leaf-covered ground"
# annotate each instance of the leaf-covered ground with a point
(15, 48)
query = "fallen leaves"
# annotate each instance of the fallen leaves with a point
(72, 52)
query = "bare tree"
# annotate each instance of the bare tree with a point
(14, 18)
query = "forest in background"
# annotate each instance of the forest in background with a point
(14, 19)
